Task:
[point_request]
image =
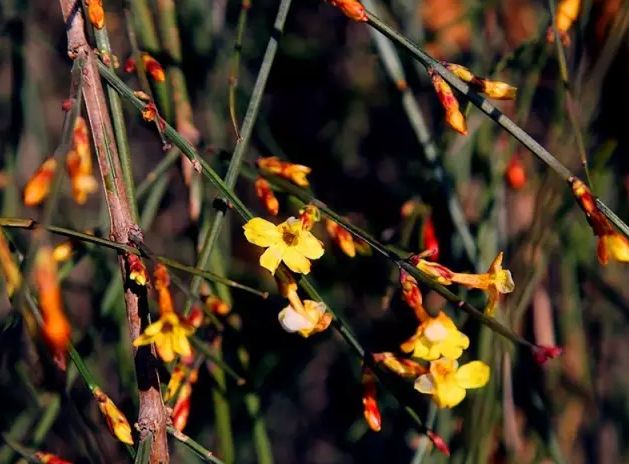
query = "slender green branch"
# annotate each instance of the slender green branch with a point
(207, 352)
(393, 67)
(243, 142)
(180, 142)
(199, 450)
(31, 224)
(117, 117)
(246, 215)
(570, 103)
(235, 67)
(481, 103)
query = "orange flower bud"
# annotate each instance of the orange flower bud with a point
(153, 68)
(454, 117)
(497, 90)
(79, 163)
(180, 372)
(567, 13)
(412, 295)
(493, 89)
(460, 71)
(49, 458)
(515, 173)
(430, 239)
(401, 366)
(55, 327)
(38, 186)
(353, 9)
(296, 173)
(266, 196)
(216, 305)
(149, 113)
(137, 270)
(116, 420)
(439, 272)
(96, 13)
(610, 242)
(342, 237)
(196, 318)
(10, 270)
(308, 215)
(181, 411)
(371, 411)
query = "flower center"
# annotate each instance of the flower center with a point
(167, 327)
(289, 238)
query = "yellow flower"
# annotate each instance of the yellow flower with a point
(311, 320)
(436, 337)
(287, 242)
(170, 335)
(495, 281)
(612, 244)
(447, 382)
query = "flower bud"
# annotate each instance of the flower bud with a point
(454, 117)
(116, 420)
(38, 186)
(266, 196)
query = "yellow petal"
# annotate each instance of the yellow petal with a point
(261, 232)
(473, 375)
(272, 257)
(451, 350)
(154, 328)
(618, 246)
(181, 345)
(295, 261)
(143, 339)
(448, 394)
(427, 350)
(165, 349)
(309, 246)
(504, 282)
(496, 264)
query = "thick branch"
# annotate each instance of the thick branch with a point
(152, 415)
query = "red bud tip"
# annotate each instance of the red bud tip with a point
(543, 353)
(439, 443)
(66, 105)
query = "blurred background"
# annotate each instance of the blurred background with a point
(331, 105)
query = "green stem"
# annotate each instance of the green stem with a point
(163, 166)
(243, 142)
(481, 103)
(199, 450)
(393, 67)
(233, 78)
(120, 128)
(208, 353)
(31, 224)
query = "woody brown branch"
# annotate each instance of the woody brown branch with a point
(152, 415)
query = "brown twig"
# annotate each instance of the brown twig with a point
(152, 414)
